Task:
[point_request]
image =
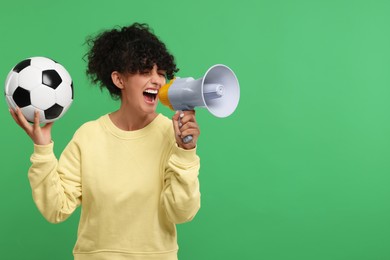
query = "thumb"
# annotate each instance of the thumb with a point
(48, 126)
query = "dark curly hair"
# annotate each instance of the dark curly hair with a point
(130, 49)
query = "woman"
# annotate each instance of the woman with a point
(129, 169)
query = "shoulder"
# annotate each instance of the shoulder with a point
(165, 125)
(164, 122)
(89, 128)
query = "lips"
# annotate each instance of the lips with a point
(150, 95)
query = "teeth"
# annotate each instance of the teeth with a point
(151, 91)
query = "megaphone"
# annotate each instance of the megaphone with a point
(218, 91)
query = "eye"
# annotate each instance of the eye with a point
(145, 72)
(162, 73)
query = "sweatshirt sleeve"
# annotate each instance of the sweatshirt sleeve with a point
(181, 195)
(55, 184)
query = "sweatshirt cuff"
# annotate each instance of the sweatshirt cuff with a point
(43, 150)
(184, 156)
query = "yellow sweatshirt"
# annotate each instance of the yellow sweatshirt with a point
(133, 187)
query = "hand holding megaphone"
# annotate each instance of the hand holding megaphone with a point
(218, 91)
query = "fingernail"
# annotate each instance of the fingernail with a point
(180, 124)
(182, 114)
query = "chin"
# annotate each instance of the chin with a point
(150, 110)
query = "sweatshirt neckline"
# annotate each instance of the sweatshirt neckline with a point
(113, 129)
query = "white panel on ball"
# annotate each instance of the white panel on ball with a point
(30, 78)
(43, 97)
(28, 113)
(42, 63)
(10, 102)
(11, 83)
(63, 95)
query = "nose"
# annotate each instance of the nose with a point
(156, 78)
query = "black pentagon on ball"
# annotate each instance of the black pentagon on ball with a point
(21, 97)
(21, 65)
(53, 112)
(51, 78)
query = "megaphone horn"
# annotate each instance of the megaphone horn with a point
(218, 91)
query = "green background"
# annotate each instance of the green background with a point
(299, 171)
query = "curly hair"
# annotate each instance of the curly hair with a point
(130, 49)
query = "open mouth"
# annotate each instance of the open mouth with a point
(150, 95)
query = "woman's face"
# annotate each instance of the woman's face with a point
(140, 90)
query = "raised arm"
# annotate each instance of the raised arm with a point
(56, 186)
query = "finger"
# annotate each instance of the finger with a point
(14, 116)
(181, 116)
(194, 132)
(48, 126)
(175, 121)
(36, 120)
(189, 125)
(189, 112)
(23, 121)
(176, 115)
(188, 117)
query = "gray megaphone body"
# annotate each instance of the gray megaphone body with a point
(218, 91)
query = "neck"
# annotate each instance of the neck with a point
(131, 121)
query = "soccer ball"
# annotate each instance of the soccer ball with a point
(41, 84)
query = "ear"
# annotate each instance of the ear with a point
(117, 79)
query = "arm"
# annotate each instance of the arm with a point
(56, 187)
(181, 195)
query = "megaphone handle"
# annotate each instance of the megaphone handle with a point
(185, 139)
